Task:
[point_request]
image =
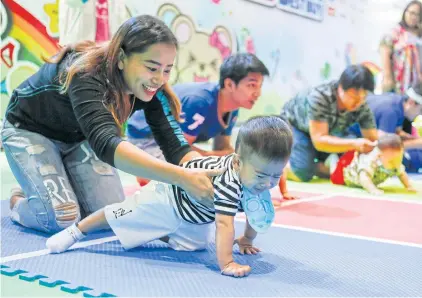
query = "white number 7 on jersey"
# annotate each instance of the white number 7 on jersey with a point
(199, 119)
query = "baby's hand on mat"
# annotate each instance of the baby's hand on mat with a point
(376, 192)
(411, 188)
(245, 246)
(288, 196)
(236, 270)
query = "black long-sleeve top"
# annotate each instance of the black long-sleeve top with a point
(38, 106)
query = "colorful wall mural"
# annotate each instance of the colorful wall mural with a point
(303, 43)
(25, 40)
(201, 52)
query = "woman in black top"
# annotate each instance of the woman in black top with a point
(62, 133)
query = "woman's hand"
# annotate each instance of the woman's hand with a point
(197, 183)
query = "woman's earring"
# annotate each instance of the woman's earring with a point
(120, 64)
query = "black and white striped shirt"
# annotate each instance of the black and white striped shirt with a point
(228, 192)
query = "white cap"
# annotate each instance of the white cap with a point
(413, 95)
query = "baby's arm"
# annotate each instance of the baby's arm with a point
(245, 242)
(283, 187)
(250, 233)
(366, 183)
(404, 179)
(224, 237)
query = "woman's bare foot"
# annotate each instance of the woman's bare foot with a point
(16, 194)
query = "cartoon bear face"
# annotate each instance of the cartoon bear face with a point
(200, 54)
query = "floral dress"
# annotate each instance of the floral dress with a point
(406, 48)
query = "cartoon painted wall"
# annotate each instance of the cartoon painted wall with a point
(302, 45)
(201, 53)
(26, 37)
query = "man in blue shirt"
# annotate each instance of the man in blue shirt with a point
(210, 110)
(390, 110)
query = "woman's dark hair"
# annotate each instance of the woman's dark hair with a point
(135, 35)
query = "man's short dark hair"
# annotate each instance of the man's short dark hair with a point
(357, 77)
(236, 67)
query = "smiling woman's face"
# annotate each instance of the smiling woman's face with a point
(145, 72)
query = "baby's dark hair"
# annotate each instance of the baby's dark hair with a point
(390, 141)
(269, 137)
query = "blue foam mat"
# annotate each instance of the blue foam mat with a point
(28, 239)
(293, 263)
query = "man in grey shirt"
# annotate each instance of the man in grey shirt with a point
(320, 118)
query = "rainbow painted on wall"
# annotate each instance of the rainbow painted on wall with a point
(29, 32)
(25, 42)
